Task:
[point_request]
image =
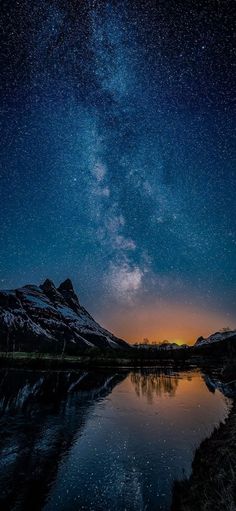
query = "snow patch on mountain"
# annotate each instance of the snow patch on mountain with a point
(216, 337)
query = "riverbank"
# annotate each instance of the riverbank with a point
(114, 359)
(212, 484)
(91, 359)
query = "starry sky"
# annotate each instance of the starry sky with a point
(117, 159)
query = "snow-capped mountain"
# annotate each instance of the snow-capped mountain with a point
(46, 318)
(216, 337)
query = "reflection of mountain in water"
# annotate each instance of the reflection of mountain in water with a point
(154, 382)
(42, 414)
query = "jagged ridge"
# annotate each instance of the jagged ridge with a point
(46, 318)
(216, 337)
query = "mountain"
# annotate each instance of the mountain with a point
(219, 344)
(216, 337)
(49, 319)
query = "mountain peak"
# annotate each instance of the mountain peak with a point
(66, 285)
(48, 285)
(66, 289)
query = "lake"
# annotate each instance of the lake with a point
(104, 440)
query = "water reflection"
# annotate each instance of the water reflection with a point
(100, 440)
(214, 381)
(41, 415)
(149, 382)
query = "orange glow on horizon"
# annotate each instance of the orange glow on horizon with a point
(175, 322)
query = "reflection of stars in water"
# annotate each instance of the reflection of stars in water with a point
(128, 452)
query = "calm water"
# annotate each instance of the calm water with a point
(101, 441)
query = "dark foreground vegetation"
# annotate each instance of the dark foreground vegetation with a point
(91, 358)
(212, 484)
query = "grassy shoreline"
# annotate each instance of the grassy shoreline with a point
(212, 483)
(109, 358)
(92, 360)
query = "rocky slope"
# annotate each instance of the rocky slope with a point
(216, 337)
(218, 345)
(49, 319)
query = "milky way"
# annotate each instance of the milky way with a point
(118, 156)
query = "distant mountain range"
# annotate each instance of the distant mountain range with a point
(49, 319)
(216, 342)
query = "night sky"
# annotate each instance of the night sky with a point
(118, 156)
